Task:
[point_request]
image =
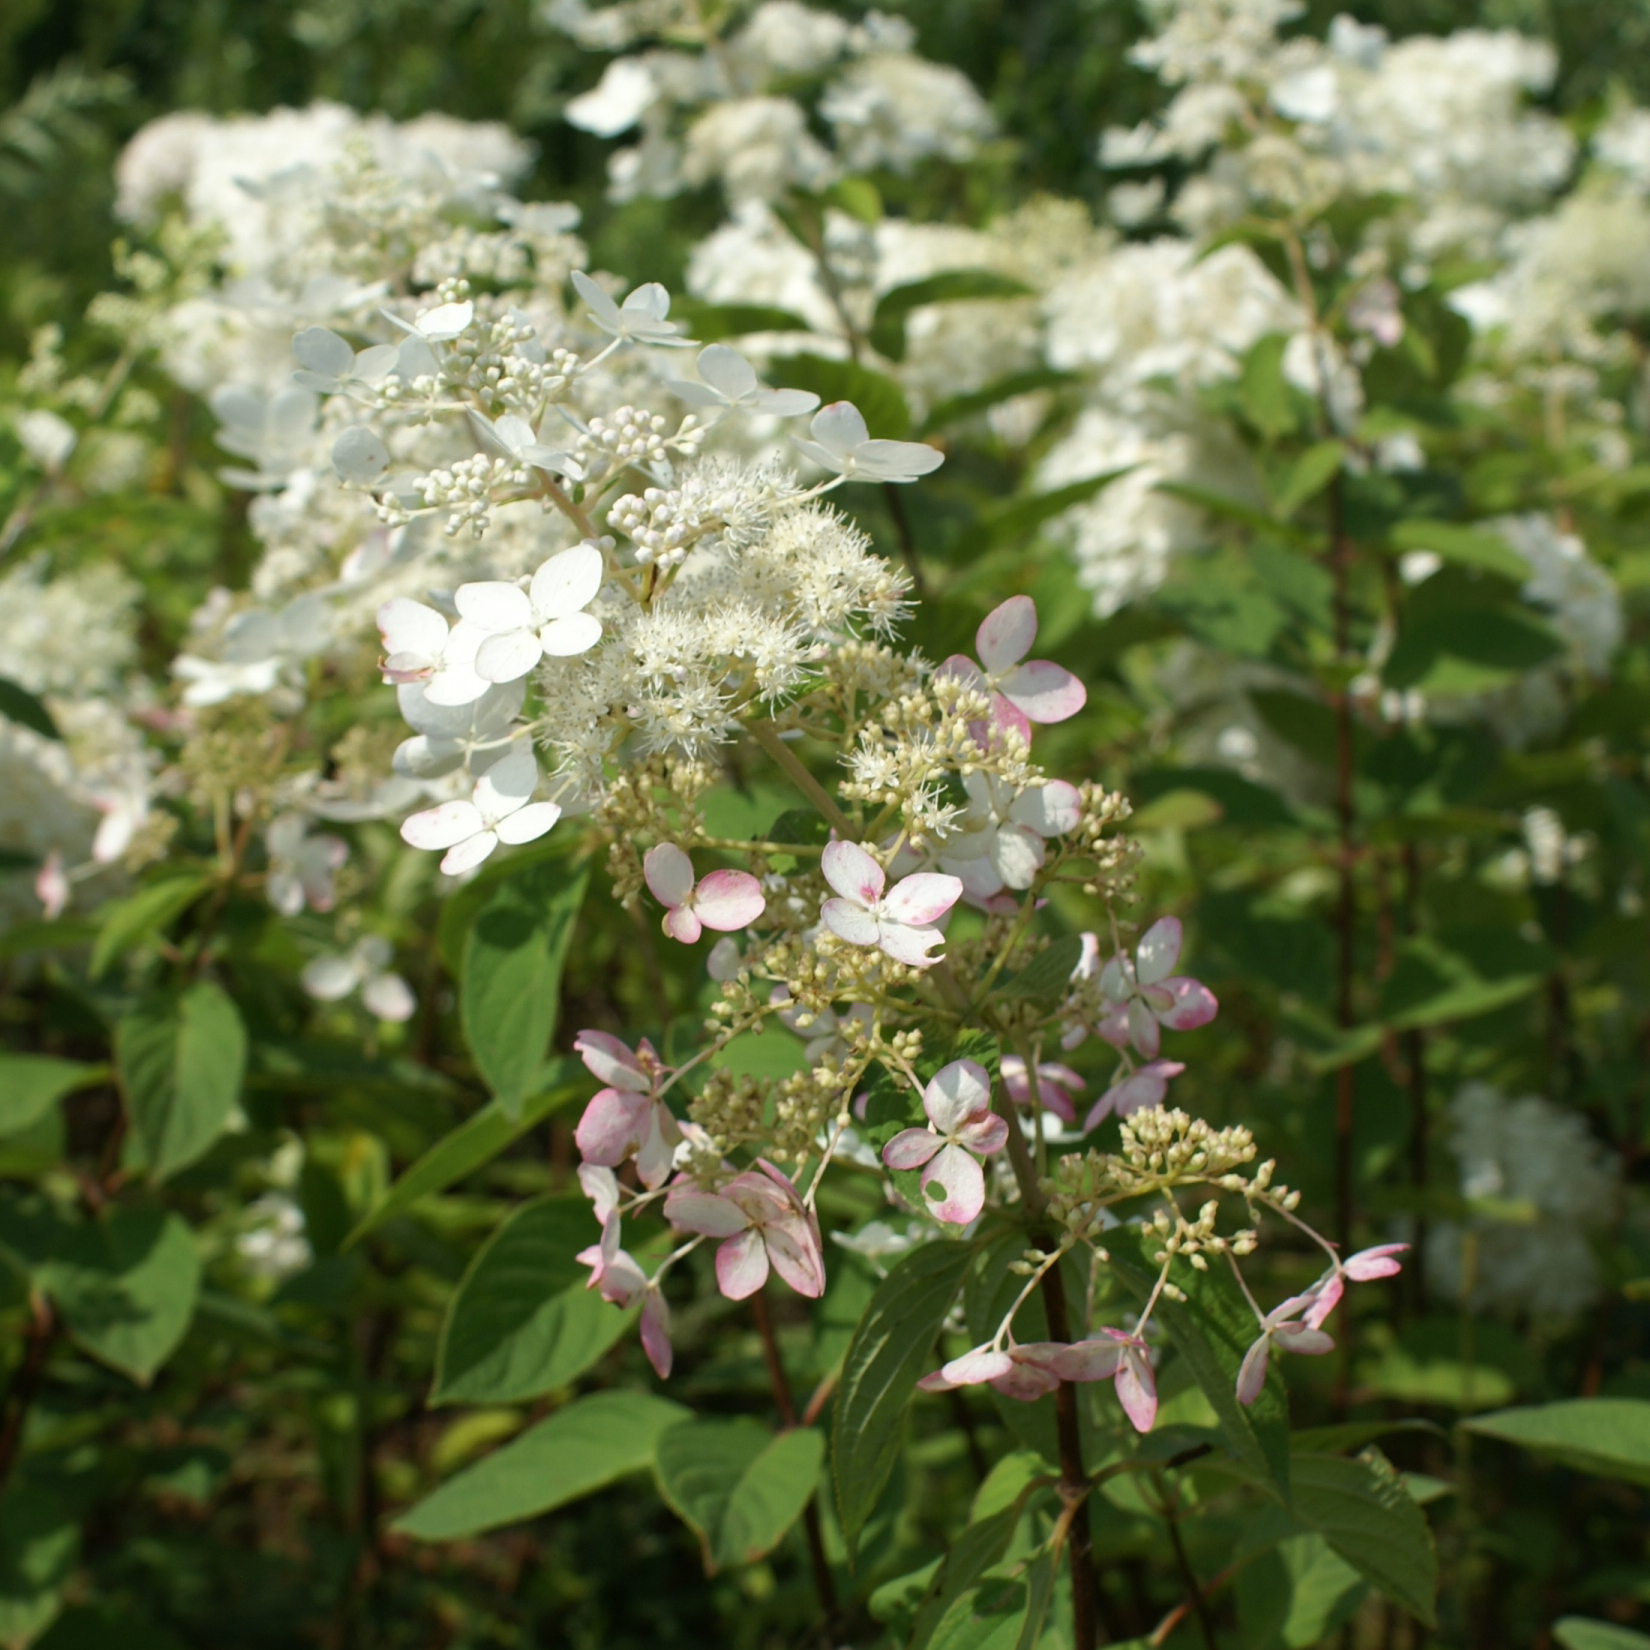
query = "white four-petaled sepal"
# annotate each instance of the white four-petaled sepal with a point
(842, 443)
(730, 381)
(499, 810)
(520, 627)
(901, 924)
(641, 319)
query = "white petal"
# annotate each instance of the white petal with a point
(507, 784)
(1158, 951)
(1050, 810)
(528, 824)
(442, 827)
(853, 873)
(649, 301)
(850, 921)
(725, 369)
(508, 656)
(329, 978)
(784, 403)
(1006, 633)
(445, 321)
(567, 582)
(494, 606)
(466, 855)
(603, 310)
(896, 460)
(569, 637)
(1018, 855)
(411, 627)
(324, 352)
(839, 428)
(389, 997)
(669, 873)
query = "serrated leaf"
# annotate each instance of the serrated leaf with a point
(1607, 1436)
(26, 709)
(736, 1485)
(477, 1140)
(521, 1320)
(888, 324)
(1047, 977)
(146, 912)
(31, 1084)
(891, 1350)
(1212, 1331)
(1370, 1520)
(511, 987)
(181, 1058)
(579, 1449)
(126, 1288)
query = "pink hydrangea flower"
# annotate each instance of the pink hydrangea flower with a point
(762, 1222)
(1021, 693)
(1057, 1085)
(626, 1117)
(998, 840)
(961, 1124)
(1363, 1267)
(1029, 1370)
(1294, 1326)
(622, 1282)
(51, 886)
(902, 924)
(1139, 1090)
(725, 900)
(1145, 996)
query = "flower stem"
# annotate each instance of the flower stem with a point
(1074, 1482)
(767, 736)
(785, 1404)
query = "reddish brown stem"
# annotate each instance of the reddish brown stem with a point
(824, 1586)
(38, 1338)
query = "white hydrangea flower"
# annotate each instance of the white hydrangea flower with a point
(642, 319)
(301, 866)
(842, 443)
(450, 737)
(419, 647)
(730, 382)
(521, 627)
(364, 967)
(500, 809)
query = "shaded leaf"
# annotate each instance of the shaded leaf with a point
(146, 912)
(26, 709)
(888, 324)
(1607, 1436)
(31, 1084)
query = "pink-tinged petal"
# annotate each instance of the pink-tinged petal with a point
(682, 923)
(656, 1333)
(741, 1265)
(1137, 1389)
(1049, 810)
(1017, 852)
(1374, 1263)
(957, 1094)
(623, 1281)
(853, 872)
(669, 873)
(1043, 691)
(1194, 1005)
(850, 921)
(1143, 1029)
(1146, 1087)
(403, 669)
(528, 824)
(1100, 1110)
(1026, 1382)
(921, 900)
(1252, 1371)
(656, 1156)
(411, 627)
(961, 668)
(729, 900)
(1159, 950)
(708, 1213)
(1313, 1343)
(910, 1149)
(1006, 717)
(441, 827)
(494, 606)
(960, 1183)
(601, 1186)
(1092, 1360)
(796, 1253)
(1117, 979)
(1006, 634)
(980, 878)
(985, 1135)
(466, 855)
(1325, 1298)
(508, 657)
(611, 1128)
(1114, 1025)
(611, 1061)
(912, 946)
(1015, 1080)
(935, 1381)
(567, 581)
(977, 1367)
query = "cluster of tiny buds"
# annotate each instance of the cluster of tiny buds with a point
(655, 524)
(1031, 1261)
(466, 489)
(629, 435)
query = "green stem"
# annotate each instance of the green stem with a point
(767, 736)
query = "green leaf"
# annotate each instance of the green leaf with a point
(1007, 524)
(512, 975)
(1243, 803)
(958, 407)
(1467, 546)
(1308, 476)
(880, 400)
(1039, 1580)
(736, 1485)
(992, 1616)
(1296, 1594)
(888, 324)
(180, 1059)
(521, 1320)
(477, 1140)
(1047, 977)
(126, 1288)
(1212, 1331)
(1607, 1436)
(1364, 1512)
(31, 1084)
(144, 913)
(891, 1350)
(710, 323)
(581, 1448)
(1265, 395)
(1580, 1633)
(26, 709)
(39, 1541)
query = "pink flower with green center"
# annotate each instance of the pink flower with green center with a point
(1030, 1369)
(901, 924)
(962, 1128)
(1021, 693)
(763, 1223)
(1145, 995)
(725, 900)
